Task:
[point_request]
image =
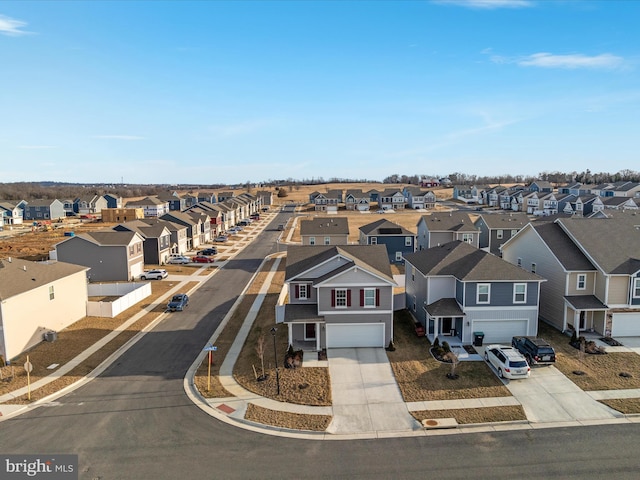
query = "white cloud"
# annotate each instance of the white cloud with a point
(118, 137)
(12, 27)
(36, 147)
(548, 60)
(487, 4)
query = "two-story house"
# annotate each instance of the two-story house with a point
(592, 267)
(325, 231)
(157, 240)
(443, 227)
(339, 296)
(541, 186)
(455, 290)
(10, 213)
(193, 226)
(113, 200)
(466, 193)
(398, 240)
(496, 228)
(179, 240)
(392, 199)
(327, 201)
(152, 206)
(175, 201)
(89, 205)
(355, 199)
(47, 209)
(418, 199)
(109, 255)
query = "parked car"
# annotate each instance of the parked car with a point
(178, 302)
(281, 226)
(179, 259)
(157, 274)
(221, 238)
(255, 217)
(202, 259)
(208, 251)
(508, 361)
(536, 350)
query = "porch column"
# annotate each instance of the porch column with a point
(290, 334)
(436, 327)
(318, 336)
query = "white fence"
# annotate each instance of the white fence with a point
(128, 295)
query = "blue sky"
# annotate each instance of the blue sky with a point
(226, 92)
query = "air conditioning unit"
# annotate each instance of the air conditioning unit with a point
(51, 336)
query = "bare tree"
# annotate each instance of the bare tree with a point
(260, 353)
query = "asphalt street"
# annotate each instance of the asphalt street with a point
(136, 422)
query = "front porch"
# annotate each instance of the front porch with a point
(444, 320)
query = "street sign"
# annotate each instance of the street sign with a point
(210, 348)
(28, 366)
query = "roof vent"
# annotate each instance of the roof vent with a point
(24, 267)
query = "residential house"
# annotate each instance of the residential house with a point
(117, 215)
(455, 290)
(627, 189)
(35, 298)
(339, 296)
(575, 188)
(398, 240)
(89, 205)
(620, 203)
(540, 203)
(392, 199)
(207, 197)
(189, 200)
(157, 240)
(178, 235)
(113, 200)
(175, 201)
(355, 199)
(222, 196)
(541, 186)
(325, 231)
(496, 228)
(429, 182)
(491, 196)
(592, 269)
(443, 227)
(418, 199)
(215, 214)
(203, 222)
(152, 206)
(328, 202)
(44, 209)
(11, 214)
(67, 206)
(466, 193)
(265, 197)
(110, 255)
(192, 224)
(374, 196)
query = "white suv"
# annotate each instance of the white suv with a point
(157, 274)
(508, 361)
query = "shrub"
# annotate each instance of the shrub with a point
(436, 342)
(446, 347)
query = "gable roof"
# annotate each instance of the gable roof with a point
(325, 226)
(107, 237)
(613, 243)
(570, 257)
(18, 276)
(146, 201)
(455, 221)
(385, 227)
(301, 258)
(467, 263)
(505, 220)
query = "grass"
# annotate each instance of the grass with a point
(297, 421)
(601, 372)
(510, 413)
(627, 406)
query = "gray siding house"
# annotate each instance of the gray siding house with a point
(496, 228)
(110, 255)
(398, 240)
(443, 227)
(157, 240)
(339, 296)
(38, 210)
(455, 290)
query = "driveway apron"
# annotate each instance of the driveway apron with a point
(549, 396)
(366, 397)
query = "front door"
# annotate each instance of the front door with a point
(309, 331)
(447, 326)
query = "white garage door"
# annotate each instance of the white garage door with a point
(137, 270)
(499, 331)
(625, 325)
(342, 335)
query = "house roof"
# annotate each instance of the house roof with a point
(41, 202)
(294, 311)
(613, 243)
(445, 307)
(542, 184)
(467, 263)
(585, 302)
(562, 247)
(107, 237)
(455, 221)
(385, 227)
(146, 201)
(18, 276)
(180, 217)
(614, 201)
(325, 226)
(169, 225)
(146, 230)
(505, 221)
(374, 258)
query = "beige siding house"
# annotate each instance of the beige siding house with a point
(325, 231)
(38, 297)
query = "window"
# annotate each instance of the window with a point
(534, 267)
(636, 287)
(369, 297)
(582, 281)
(414, 303)
(413, 274)
(398, 256)
(499, 234)
(301, 291)
(519, 262)
(131, 251)
(407, 241)
(483, 293)
(340, 297)
(312, 240)
(52, 294)
(467, 237)
(327, 240)
(519, 293)
(374, 240)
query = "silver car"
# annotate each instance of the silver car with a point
(508, 361)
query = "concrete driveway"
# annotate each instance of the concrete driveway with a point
(366, 397)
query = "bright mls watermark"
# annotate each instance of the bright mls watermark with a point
(50, 467)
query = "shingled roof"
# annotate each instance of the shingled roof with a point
(454, 221)
(18, 276)
(385, 227)
(325, 226)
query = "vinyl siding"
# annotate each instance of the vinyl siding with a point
(441, 287)
(324, 301)
(501, 294)
(573, 283)
(417, 287)
(618, 290)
